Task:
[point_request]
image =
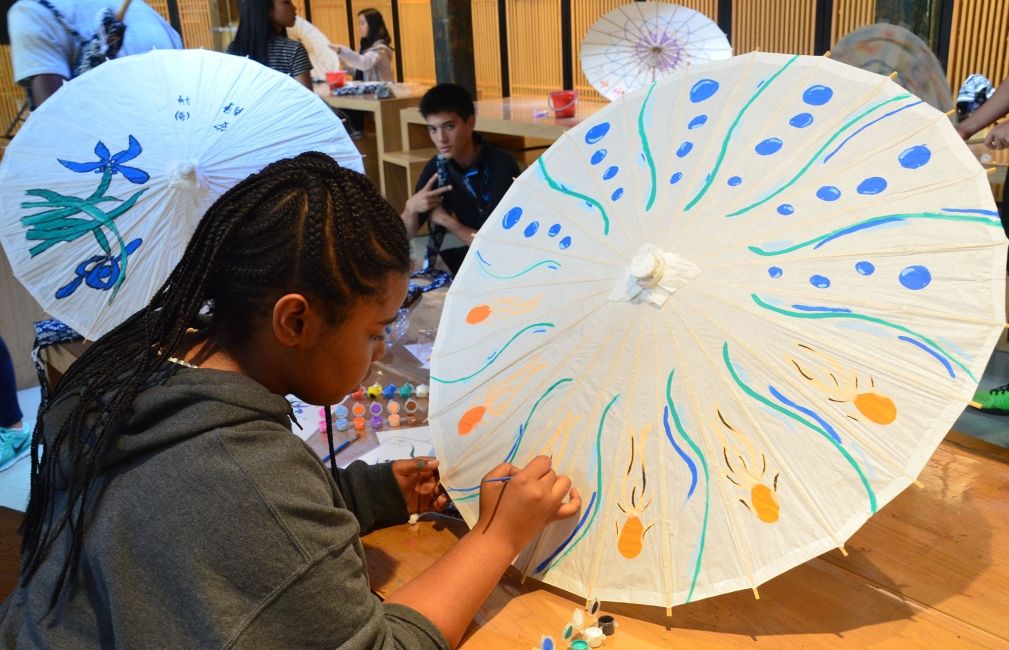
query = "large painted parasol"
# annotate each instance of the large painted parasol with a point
(740, 307)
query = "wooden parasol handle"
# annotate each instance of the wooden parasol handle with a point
(122, 10)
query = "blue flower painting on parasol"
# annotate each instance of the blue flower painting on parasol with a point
(68, 218)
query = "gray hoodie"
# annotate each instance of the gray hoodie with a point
(216, 527)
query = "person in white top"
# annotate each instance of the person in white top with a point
(46, 38)
(374, 61)
(315, 42)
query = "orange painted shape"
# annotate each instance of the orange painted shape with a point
(764, 503)
(470, 419)
(629, 543)
(478, 314)
(877, 408)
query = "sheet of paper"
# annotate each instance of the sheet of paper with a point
(422, 351)
(394, 444)
(308, 417)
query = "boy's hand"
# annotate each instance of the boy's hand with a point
(427, 198)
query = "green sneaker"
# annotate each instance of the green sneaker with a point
(14, 445)
(995, 400)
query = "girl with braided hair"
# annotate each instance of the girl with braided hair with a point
(173, 506)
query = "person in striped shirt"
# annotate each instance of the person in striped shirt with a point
(262, 36)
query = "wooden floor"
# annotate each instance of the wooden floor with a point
(930, 570)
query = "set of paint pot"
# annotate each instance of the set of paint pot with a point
(592, 635)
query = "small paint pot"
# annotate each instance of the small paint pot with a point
(358, 409)
(411, 420)
(392, 406)
(340, 411)
(594, 636)
(394, 420)
(359, 424)
(359, 394)
(377, 422)
(579, 644)
(607, 624)
(341, 424)
(423, 391)
(389, 391)
(410, 406)
(406, 390)
(375, 390)
(375, 408)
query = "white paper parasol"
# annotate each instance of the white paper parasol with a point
(740, 307)
(106, 181)
(640, 42)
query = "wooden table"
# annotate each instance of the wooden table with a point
(523, 125)
(930, 570)
(385, 121)
(524, 117)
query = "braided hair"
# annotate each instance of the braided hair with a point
(302, 225)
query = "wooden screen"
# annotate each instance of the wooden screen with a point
(160, 6)
(417, 46)
(197, 30)
(849, 15)
(486, 49)
(586, 12)
(331, 17)
(11, 94)
(534, 47)
(773, 26)
(979, 41)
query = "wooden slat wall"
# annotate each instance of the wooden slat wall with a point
(11, 94)
(197, 30)
(584, 13)
(849, 15)
(979, 41)
(385, 8)
(330, 16)
(534, 47)
(773, 26)
(417, 34)
(160, 6)
(486, 49)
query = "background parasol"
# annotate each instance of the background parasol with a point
(740, 307)
(640, 42)
(104, 184)
(884, 48)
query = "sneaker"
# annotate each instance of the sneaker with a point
(995, 400)
(14, 445)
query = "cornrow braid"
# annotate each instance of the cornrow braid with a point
(302, 225)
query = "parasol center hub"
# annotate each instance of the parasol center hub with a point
(648, 269)
(652, 276)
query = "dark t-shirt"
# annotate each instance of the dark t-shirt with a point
(475, 193)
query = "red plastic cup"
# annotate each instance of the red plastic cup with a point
(563, 102)
(336, 78)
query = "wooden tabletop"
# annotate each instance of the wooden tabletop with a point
(528, 117)
(930, 570)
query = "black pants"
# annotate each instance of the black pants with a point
(10, 412)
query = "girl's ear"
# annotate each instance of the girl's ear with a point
(295, 324)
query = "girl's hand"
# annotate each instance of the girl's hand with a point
(518, 509)
(336, 48)
(998, 138)
(418, 481)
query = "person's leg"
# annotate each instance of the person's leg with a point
(10, 412)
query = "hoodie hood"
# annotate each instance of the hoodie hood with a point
(180, 403)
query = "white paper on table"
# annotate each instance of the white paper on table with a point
(394, 444)
(422, 351)
(307, 415)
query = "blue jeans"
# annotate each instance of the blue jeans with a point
(10, 412)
